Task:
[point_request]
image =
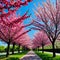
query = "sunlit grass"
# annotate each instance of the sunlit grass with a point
(47, 56)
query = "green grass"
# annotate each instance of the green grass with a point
(47, 56)
(15, 56)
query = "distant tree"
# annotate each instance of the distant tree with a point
(41, 40)
(25, 41)
(35, 44)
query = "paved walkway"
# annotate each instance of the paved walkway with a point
(30, 56)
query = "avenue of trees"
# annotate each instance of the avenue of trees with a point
(12, 28)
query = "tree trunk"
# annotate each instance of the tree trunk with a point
(8, 47)
(19, 48)
(25, 48)
(53, 47)
(38, 48)
(13, 48)
(22, 49)
(42, 48)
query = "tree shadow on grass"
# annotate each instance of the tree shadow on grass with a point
(8, 58)
(12, 58)
(19, 53)
(47, 58)
(2, 56)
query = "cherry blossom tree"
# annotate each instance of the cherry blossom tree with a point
(9, 31)
(13, 19)
(18, 36)
(9, 21)
(9, 7)
(35, 44)
(25, 41)
(41, 40)
(48, 20)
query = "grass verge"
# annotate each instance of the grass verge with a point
(47, 56)
(15, 56)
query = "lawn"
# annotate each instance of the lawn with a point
(47, 56)
(15, 56)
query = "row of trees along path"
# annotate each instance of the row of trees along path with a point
(11, 26)
(48, 20)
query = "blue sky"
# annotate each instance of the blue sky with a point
(30, 7)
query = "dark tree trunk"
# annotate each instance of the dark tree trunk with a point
(13, 48)
(8, 47)
(42, 48)
(19, 48)
(38, 48)
(22, 49)
(53, 47)
(25, 48)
